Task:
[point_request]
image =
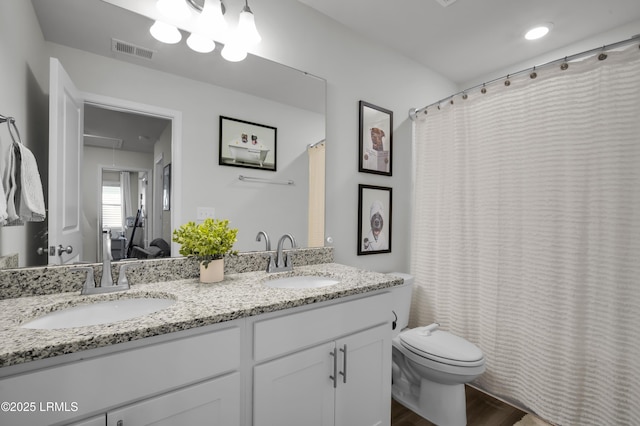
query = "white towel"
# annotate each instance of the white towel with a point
(31, 197)
(10, 185)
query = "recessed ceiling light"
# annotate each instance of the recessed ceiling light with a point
(538, 32)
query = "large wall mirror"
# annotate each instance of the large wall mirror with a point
(166, 165)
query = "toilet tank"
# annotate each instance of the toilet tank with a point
(401, 300)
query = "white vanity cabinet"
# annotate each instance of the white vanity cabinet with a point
(324, 367)
(326, 363)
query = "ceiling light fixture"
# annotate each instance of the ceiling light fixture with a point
(247, 31)
(200, 43)
(165, 33)
(209, 25)
(538, 32)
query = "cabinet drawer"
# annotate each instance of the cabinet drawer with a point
(277, 336)
(118, 378)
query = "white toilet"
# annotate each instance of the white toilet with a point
(431, 366)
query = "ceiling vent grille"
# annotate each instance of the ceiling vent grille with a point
(445, 3)
(102, 141)
(131, 49)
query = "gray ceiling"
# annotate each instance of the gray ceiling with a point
(470, 39)
(105, 128)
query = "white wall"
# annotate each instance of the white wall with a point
(355, 69)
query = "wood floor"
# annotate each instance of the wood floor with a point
(482, 410)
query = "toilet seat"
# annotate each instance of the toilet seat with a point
(442, 347)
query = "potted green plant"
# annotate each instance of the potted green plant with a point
(208, 242)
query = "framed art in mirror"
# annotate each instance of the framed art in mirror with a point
(376, 139)
(374, 219)
(246, 144)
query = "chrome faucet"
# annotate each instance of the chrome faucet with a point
(106, 282)
(282, 261)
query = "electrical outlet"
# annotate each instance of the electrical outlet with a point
(206, 213)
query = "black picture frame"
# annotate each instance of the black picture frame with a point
(375, 139)
(374, 233)
(246, 144)
(166, 187)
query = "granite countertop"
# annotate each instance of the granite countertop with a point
(240, 295)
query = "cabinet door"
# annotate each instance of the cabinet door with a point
(295, 390)
(363, 395)
(215, 402)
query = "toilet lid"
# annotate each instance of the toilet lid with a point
(441, 346)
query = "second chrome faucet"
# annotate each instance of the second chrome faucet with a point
(279, 261)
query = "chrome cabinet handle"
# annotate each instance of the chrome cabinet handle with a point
(343, 373)
(335, 368)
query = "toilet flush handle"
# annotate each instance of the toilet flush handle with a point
(426, 330)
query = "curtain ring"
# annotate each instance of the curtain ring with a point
(602, 56)
(465, 96)
(533, 74)
(507, 82)
(564, 65)
(484, 89)
(451, 101)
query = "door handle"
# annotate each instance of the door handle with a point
(67, 250)
(343, 373)
(334, 354)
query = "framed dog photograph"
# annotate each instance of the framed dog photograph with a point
(374, 219)
(246, 144)
(376, 139)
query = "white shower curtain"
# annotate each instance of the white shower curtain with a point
(526, 237)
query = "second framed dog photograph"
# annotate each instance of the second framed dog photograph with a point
(374, 219)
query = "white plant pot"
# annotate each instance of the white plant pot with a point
(213, 273)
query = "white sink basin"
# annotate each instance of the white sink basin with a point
(303, 281)
(99, 313)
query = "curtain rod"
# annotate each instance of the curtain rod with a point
(413, 112)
